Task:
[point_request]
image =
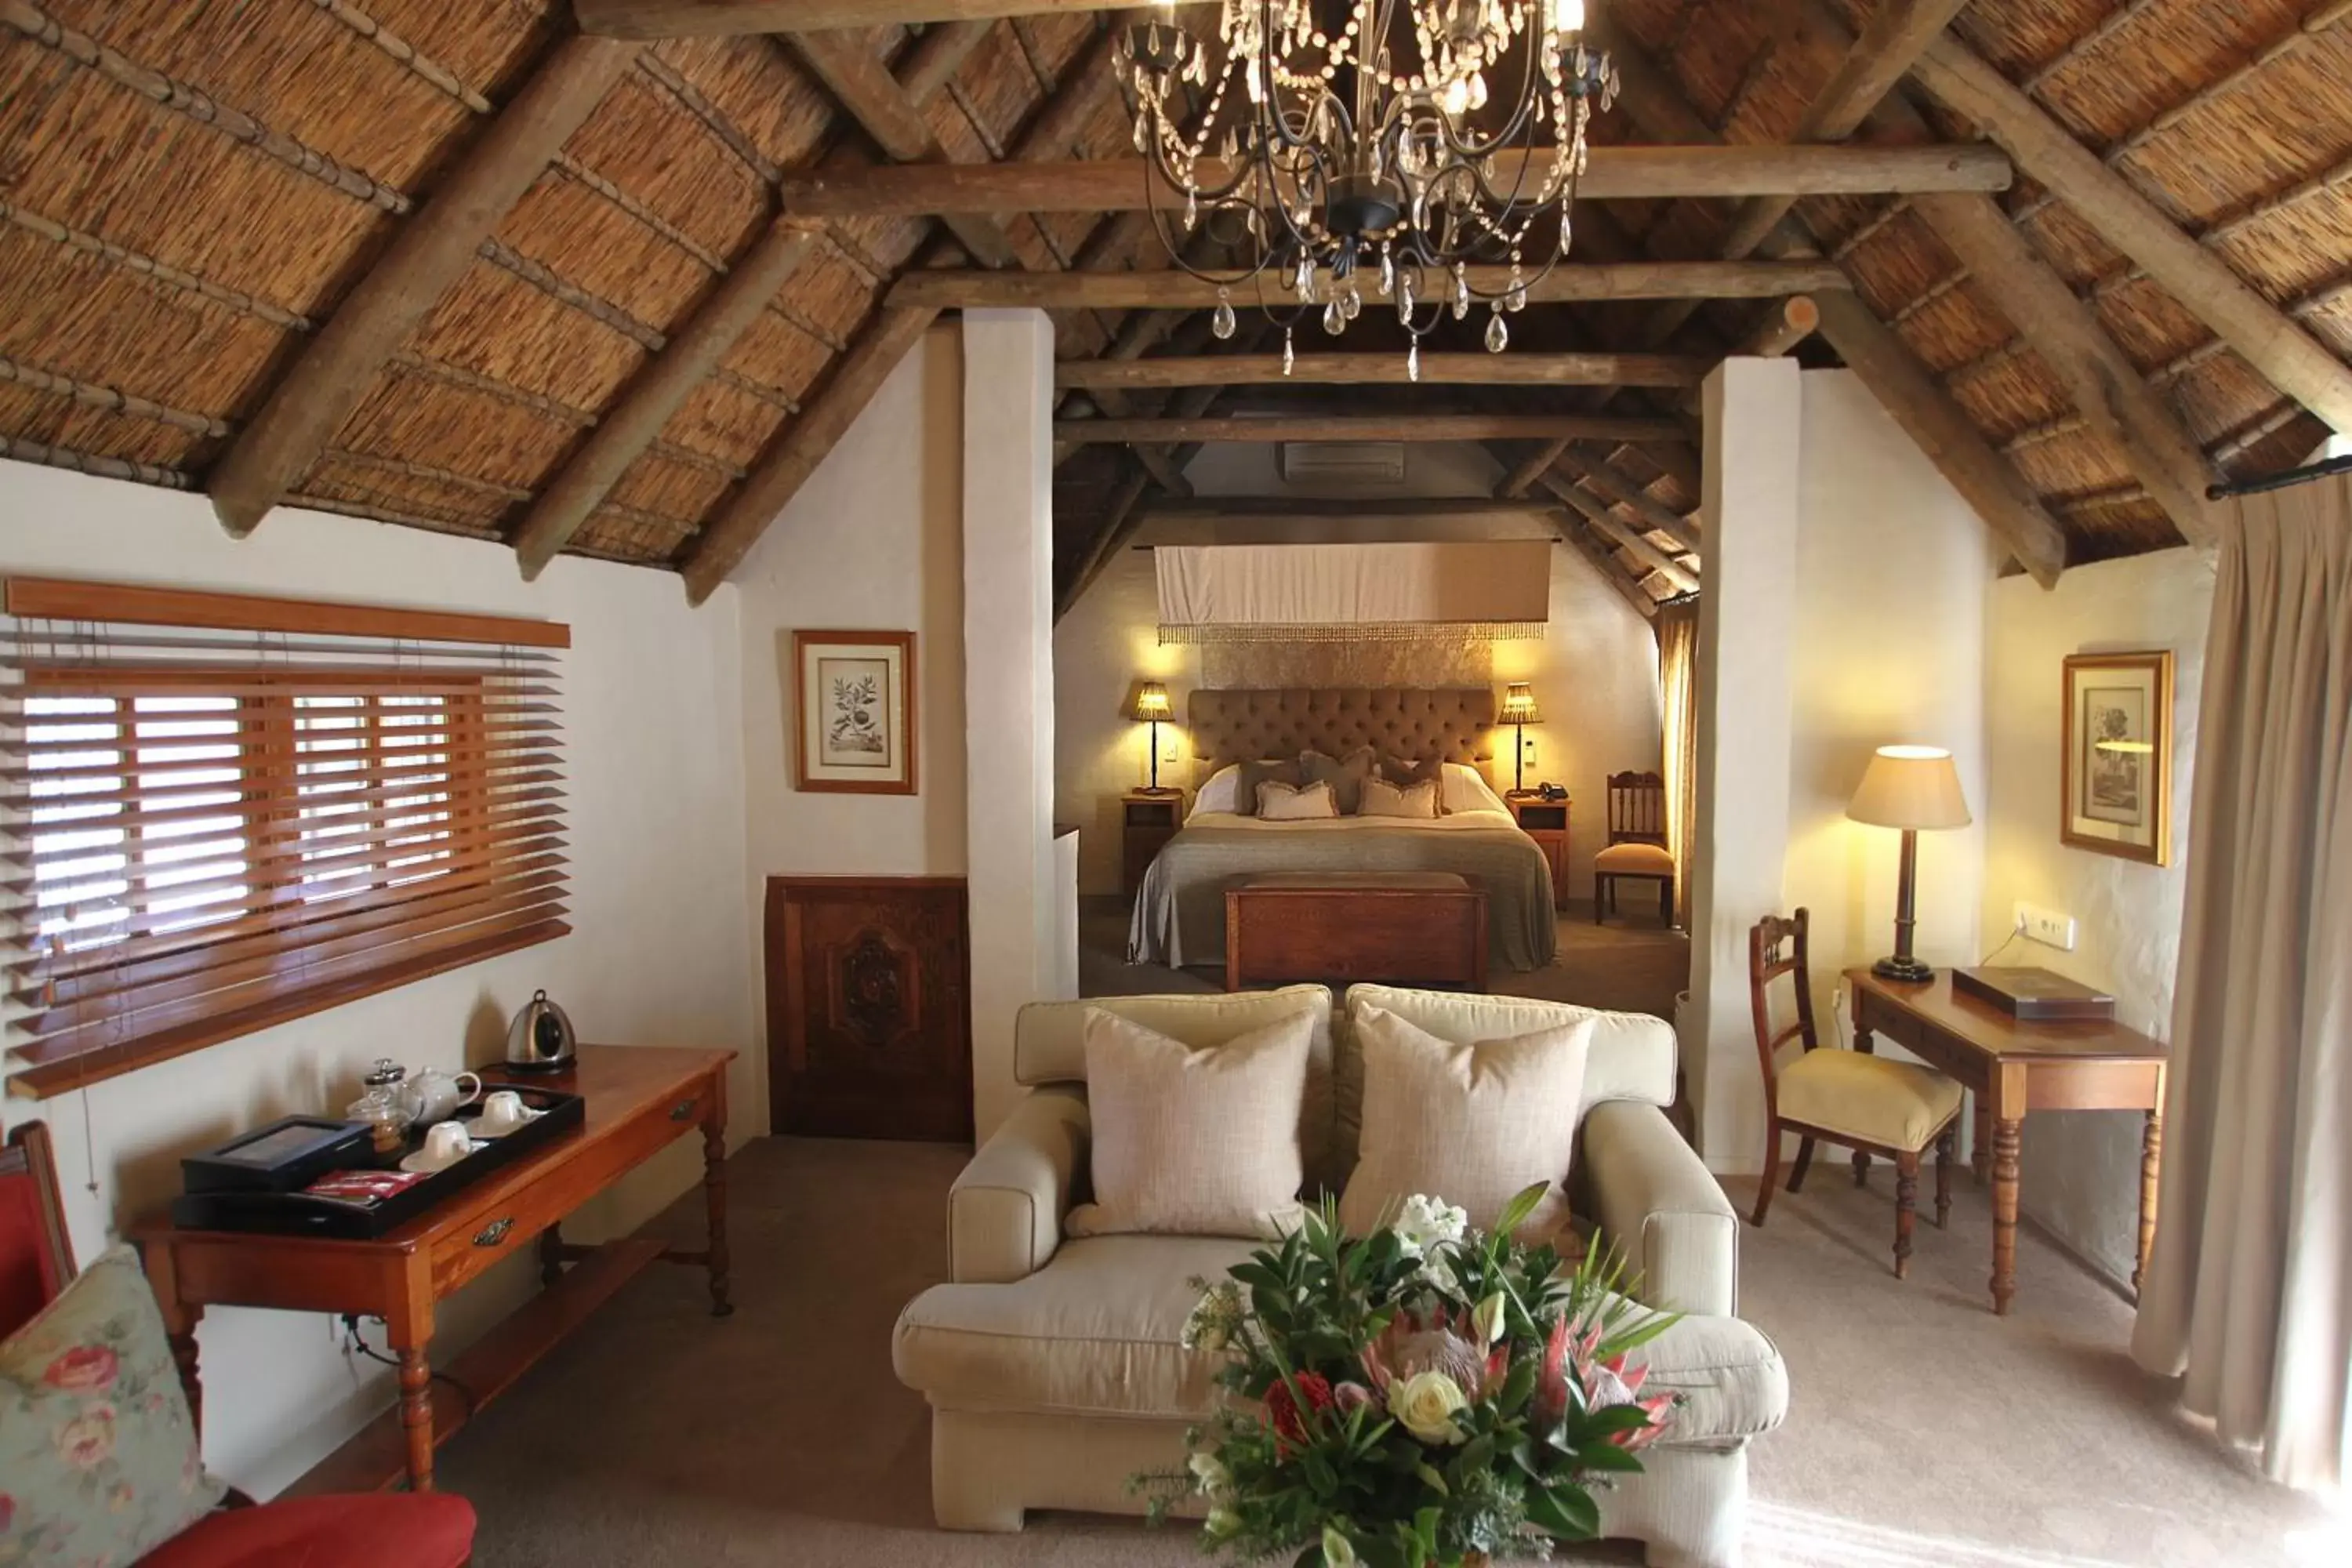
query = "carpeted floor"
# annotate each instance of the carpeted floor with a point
(1924, 1431)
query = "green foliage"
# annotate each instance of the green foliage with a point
(1416, 1396)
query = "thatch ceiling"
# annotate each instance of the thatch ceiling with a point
(191, 193)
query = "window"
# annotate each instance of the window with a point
(220, 829)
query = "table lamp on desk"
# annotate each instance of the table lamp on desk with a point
(1912, 788)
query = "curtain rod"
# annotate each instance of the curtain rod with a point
(2303, 475)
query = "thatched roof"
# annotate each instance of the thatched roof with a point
(191, 192)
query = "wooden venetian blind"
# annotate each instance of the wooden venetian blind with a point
(224, 813)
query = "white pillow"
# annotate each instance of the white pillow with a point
(1222, 792)
(1193, 1141)
(1473, 1124)
(1278, 802)
(1465, 790)
(1382, 798)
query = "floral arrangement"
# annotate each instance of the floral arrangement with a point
(1414, 1398)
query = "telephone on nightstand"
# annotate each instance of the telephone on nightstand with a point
(1550, 792)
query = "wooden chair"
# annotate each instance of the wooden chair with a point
(1637, 845)
(1853, 1098)
(392, 1530)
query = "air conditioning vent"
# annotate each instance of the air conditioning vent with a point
(1356, 464)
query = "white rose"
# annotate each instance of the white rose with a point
(1425, 1405)
(1211, 1473)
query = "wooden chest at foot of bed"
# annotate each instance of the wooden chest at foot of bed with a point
(1400, 928)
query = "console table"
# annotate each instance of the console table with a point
(640, 1100)
(2014, 1066)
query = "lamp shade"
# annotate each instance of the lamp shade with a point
(1910, 786)
(1519, 704)
(1150, 701)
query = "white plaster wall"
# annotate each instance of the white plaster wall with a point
(1595, 670)
(2081, 1168)
(654, 775)
(1893, 572)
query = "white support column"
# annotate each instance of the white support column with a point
(1017, 926)
(1746, 622)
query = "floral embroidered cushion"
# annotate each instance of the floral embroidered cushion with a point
(99, 1462)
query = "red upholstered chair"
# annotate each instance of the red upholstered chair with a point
(392, 1529)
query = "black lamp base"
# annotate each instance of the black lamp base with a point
(1909, 971)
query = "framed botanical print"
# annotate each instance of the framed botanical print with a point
(856, 730)
(2117, 772)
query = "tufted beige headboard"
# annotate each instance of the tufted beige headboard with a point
(1236, 725)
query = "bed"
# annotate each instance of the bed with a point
(1179, 910)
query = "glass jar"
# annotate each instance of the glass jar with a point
(385, 1104)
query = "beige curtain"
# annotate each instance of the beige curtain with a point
(1678, 667)
(2249, 1298)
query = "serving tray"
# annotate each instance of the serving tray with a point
(342, 1219)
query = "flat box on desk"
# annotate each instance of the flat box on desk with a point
(2034, 996)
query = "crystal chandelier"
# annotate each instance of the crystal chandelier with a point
(1388, 143)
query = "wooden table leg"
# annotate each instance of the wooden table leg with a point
(408, 1333)
(2151, 1162)
(2005, 1140)
(180, 1320)
(551, 1255)
(1980, 1146)
(714, 1193)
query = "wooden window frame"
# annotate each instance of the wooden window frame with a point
(190, 991)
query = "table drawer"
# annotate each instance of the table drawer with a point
(495, 1228)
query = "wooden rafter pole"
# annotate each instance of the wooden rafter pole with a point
(2265, 336)
(855, 378)
(1225, 508)
(1521, 477)
(656, 394)
(1780, 328)
(1371, 427)
(1625, 172)
(729, 18)
(1596, 512)
(426, 257)
(1897, 32)
(1637, 598)
(1613, 485)
(1385, 369)
(948, 289)
(1985, 478)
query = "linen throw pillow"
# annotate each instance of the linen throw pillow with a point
(1193, 1141)
(1382, 798)
(98, 1453)
(1345, 775)
(1472, 1124)
(1265, 770)
(1302, 803)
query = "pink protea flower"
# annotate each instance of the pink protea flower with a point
(1609, 1383)
(1407, 1348)
(1604, 1384)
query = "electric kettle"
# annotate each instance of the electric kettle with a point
(540, 1039)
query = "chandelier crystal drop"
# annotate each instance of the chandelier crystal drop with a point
(1303, 139)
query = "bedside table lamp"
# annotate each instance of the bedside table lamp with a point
(1152, 707)
(1519, 711)
(1912, 788)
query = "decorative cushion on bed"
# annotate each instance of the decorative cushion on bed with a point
(1268, 770)
(1472, 1124)
(1382, 798)
(1346, 775)
(1222, 792)
(1279, 802)
(1193, 1141)
(1467, 789)
(1408, 771)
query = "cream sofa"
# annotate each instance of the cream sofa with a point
(1052, 1366)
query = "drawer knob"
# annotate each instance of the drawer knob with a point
(494, 1233)
(683, 1111)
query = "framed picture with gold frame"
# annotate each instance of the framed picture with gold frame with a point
(2116, 776)
(856, 712)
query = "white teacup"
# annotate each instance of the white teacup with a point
(502, 1111)
(446, 1143)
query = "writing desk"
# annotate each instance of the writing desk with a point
(2015, 1067)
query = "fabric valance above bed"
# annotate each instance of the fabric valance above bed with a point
(1302, 593)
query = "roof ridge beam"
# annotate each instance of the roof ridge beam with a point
(1371, 427)
(2265, 336)
(947, 289)
(425, 259)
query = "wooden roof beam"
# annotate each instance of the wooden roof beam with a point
(425, 259)
(1521, 477)
(1385, 369)
(1596, 512)
(1617, 487)
(731, 18)
(1280, 508)
(946, 288)
(1371, 427)
(2263, 336)
(1617, 173)
(1780, 328)
(1897, 31)
(863, 84)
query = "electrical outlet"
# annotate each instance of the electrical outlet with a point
(2046, 926)
(1527, 752)
(1167, 750)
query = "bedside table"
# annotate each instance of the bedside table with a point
(1147, 819)
(1546, 822)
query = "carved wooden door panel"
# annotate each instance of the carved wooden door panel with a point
(869, 1030)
